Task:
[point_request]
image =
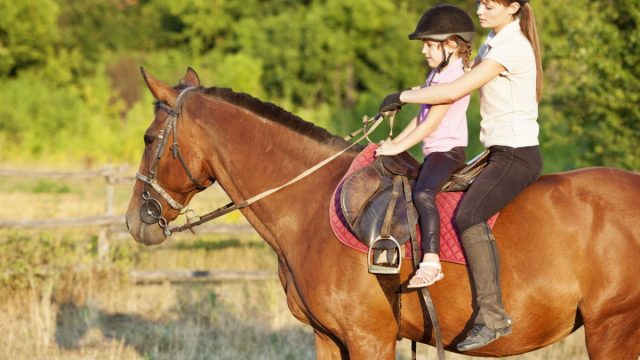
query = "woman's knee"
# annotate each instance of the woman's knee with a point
(464, 219)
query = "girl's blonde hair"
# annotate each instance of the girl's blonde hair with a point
(463, 51)
(529, 29)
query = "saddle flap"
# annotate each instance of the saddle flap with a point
(402, 164)
(357, 189)
(365, 198)
(368, 225)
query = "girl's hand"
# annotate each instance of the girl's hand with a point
(388, 148)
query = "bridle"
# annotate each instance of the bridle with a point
(151, 210)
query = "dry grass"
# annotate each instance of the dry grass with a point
(94, 312)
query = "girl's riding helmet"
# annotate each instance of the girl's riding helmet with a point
(443, 21)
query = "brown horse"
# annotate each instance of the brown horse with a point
(570, 244)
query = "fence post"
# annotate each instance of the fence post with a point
(103, 237)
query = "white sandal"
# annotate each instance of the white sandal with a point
(421, 276)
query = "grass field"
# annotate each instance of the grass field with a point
(59, 302)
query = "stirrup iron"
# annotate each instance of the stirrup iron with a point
(381, 269)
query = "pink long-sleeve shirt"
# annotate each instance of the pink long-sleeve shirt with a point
(452, 131)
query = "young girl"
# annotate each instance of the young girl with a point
(508, 72)
(446, 33)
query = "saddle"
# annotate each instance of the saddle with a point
(377, 205)
(366, 197)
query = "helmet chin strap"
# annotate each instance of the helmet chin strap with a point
(446, 58)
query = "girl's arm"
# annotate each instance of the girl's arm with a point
(407, 130)
(447, 93)
(410, 126)
(434, 118)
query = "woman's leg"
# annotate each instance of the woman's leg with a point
(508, 173)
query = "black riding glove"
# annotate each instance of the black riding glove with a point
(391, 103)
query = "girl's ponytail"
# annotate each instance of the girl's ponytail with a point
(528, 27)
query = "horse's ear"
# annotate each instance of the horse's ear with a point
(160, 90)
(190, 78)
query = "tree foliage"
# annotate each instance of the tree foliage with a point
(68, 69)
(593, 80)
(28, 34)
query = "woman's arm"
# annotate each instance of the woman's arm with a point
(447, 93)
(434, 118)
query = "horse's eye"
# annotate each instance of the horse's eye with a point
(148, 139)
(156, 106)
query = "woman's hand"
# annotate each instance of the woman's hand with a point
(391, 103)
(388, 148)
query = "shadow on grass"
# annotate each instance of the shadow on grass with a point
(215, 335)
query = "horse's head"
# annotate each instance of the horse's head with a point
(173, 168)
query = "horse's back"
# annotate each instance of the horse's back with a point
(581, 215)
(590, 200)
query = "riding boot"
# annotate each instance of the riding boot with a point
(491, 321)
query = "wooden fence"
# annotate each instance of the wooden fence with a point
(112, 225)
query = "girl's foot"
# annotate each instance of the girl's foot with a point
(427, 274)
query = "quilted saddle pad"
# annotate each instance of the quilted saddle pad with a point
(447, 203)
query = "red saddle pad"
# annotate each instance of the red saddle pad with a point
(447, 202)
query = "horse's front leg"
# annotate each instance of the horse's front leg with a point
(378, 346)
(329, 348)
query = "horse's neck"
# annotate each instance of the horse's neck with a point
(254, 155)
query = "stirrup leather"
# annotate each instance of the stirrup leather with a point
(386, 237)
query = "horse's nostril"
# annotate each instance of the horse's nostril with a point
(126, 223)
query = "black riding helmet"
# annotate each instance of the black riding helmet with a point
(443, 21)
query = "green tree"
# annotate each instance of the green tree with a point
(593, 81)
(28, 33)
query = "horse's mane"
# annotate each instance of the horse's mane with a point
(277, 114)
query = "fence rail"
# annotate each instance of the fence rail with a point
(113, 226)
(175, 276)
(98, 220)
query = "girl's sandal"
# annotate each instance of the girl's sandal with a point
(421, 278)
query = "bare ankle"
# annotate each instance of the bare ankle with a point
(431, 257)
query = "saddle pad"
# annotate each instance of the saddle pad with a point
(447, 202)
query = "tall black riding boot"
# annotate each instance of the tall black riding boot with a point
(492, 321)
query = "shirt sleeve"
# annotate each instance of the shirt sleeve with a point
(507, 56)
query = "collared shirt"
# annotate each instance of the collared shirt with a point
(452, 130)
(508, 103)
